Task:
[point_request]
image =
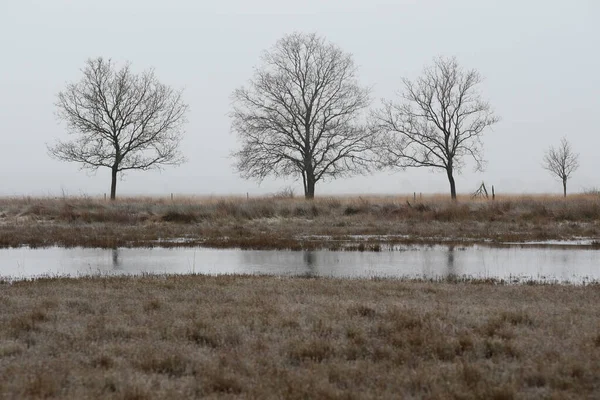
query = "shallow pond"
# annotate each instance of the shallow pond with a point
(517, 263)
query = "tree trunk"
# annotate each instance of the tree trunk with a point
(452, 183)
(309, 192)
(565, 187)
(113, 183)
(309, 179)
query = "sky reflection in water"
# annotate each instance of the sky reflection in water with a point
(542, 264)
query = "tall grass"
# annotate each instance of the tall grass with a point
(139, 209)
(277, 221)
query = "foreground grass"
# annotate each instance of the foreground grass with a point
(275, 223)
(294, 338)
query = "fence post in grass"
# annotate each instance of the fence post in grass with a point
(493, 193)
(104, 196)
(415, 196)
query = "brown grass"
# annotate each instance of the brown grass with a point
(273, 338)
(274, 222)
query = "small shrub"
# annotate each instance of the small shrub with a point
(535, 379)
(539, 211)
(315, 351)
(285, 193)
(179, 217)
(465, 343)
(303, 211)
(223, 382)
(471, 375)
(499, 348)
(420, 207)
(445, 350)
(10, 349)
(171, 364)
(516, 318)
(502, 393)
(351, 210)
(103, 362)
(202, 335)
(452, 213)
(27, 323)
(593, 191)
(404, 320)
(496, 327)
(42, 385)
(134, 392)
(152, 305)
(333, 203)
(362, 311)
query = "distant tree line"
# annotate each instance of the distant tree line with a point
(303, 114)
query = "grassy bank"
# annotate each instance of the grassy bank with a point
(273, 338)
(293, 223)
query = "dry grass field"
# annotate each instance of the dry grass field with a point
(294, 338)
(280, 222)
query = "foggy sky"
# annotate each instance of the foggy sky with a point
(540, 61)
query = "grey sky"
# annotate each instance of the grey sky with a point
(540, 60)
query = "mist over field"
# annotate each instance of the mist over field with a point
(539, 61)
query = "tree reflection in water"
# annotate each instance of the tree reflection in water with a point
(310, 261)
(450, 264)
(115, 259)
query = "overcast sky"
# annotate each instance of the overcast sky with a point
(540, 60)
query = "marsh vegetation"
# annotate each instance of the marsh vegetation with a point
(272, 338)
(281, 222)
(181, 336)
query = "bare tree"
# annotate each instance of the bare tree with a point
(300, 114)
(122, 121)
(561, 162)
(438, 123)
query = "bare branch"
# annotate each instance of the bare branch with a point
(438, 122)
(121, 120)
(561, 162)
(300, 114)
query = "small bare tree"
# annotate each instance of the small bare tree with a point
(438, 123)
(122, 121)
(561, 162)
(300, 114)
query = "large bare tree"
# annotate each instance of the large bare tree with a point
(123, 121)
(438, 122)
(561, 162)
(300, 114)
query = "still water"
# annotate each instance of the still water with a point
(550, 264)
